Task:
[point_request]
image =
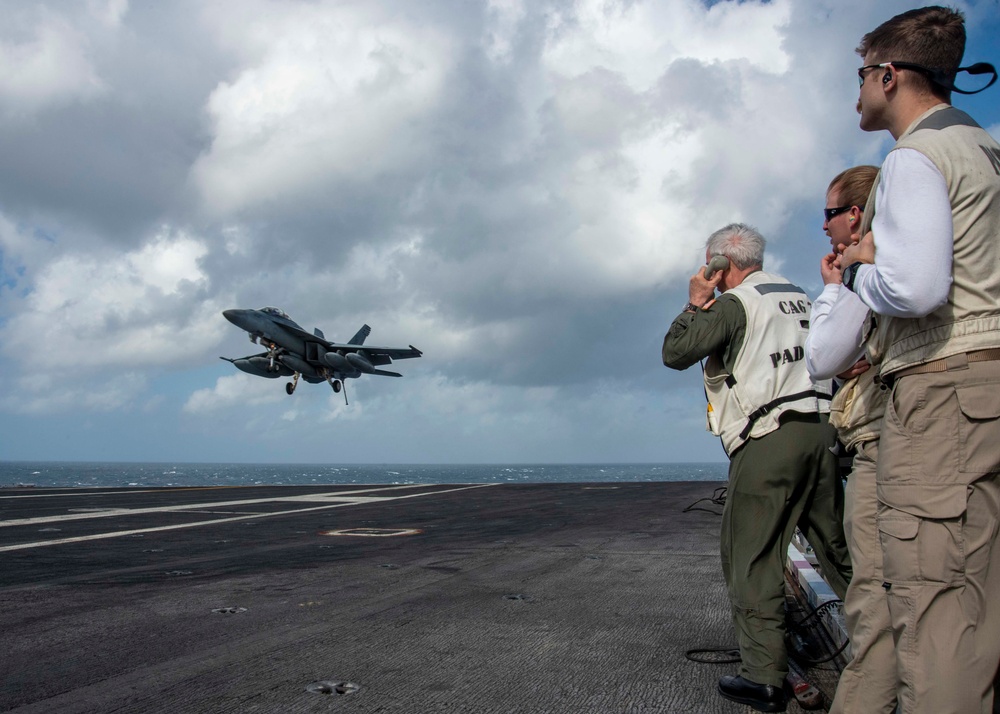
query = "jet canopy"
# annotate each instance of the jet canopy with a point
(275, 311)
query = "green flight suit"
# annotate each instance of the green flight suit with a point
(786, 478)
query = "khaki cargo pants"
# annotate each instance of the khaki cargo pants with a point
(868, 683)
(938, 479)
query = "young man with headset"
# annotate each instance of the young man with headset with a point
(934, 288)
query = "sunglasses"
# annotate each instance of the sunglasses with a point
(937, 76)
(829, 213)
(862, 71)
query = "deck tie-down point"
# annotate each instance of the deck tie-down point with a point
(373, 532)
(328, 687)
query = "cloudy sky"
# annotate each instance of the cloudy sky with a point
(520, 188)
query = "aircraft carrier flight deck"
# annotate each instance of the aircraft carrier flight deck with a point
(421, 598)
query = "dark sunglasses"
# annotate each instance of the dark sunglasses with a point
(829, 213)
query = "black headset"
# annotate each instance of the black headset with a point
(941, 78)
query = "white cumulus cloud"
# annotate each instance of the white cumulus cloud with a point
(328, 89)
(102, 311)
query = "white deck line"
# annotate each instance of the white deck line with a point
(138, 531)
(346, 496)
(86, 490)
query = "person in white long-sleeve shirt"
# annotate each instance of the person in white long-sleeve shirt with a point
(835, 348)
(933, 285)
(836, 339)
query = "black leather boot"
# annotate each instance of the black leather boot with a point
(762, 697)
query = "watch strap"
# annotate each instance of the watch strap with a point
(850, 274)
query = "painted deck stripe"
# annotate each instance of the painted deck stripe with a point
(307, 498)
(86, 491)
(118, 534)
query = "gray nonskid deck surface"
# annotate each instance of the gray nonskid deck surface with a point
(509, 598)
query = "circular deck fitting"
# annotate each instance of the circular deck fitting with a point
(516, 596)
(328, 687)
(373, 532)
(179, 572)
(229, 610)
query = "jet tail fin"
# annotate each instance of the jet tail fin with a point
(359, 339)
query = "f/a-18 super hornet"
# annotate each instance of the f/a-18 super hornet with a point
(293, 352)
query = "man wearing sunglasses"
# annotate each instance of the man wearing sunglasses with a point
(835, 347)
(934, 286)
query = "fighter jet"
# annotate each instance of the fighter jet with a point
(293, 352)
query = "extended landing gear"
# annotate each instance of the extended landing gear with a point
(338, 387)
(290, 387)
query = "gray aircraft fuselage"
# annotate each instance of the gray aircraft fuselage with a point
(269, 326)
(291, 351)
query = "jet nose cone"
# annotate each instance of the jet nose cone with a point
(241, 318)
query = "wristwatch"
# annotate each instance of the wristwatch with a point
(691, 307)
(850, 274)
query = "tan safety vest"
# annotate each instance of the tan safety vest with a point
(857, 409)
(858, 406)
(969, 159)
(769, 375)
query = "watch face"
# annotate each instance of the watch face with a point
(848, 275)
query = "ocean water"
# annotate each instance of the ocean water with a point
(95, 474)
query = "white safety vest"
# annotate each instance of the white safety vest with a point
(769, 376)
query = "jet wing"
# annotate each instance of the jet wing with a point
(376, 352)
(233, 359)
(377, 355)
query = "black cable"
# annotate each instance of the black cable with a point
(800, 628)
(729, 655)
(718, 498)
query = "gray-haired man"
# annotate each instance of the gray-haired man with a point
(772, 419)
